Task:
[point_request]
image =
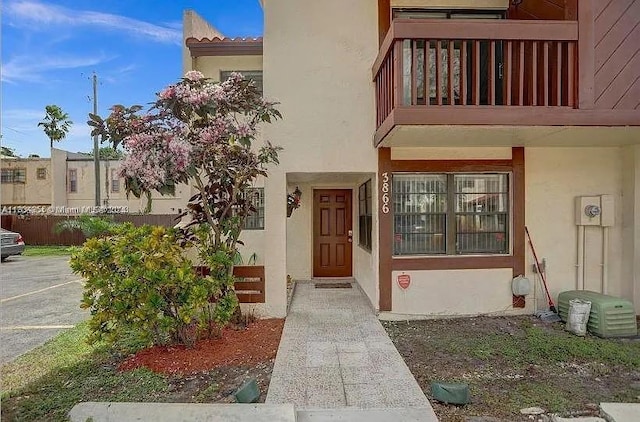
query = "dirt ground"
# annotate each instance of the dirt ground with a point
(512, 363)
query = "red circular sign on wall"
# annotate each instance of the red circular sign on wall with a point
(404, 281)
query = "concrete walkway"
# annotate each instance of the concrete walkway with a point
(334, 353)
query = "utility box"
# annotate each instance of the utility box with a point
(596, 210)
(608, 211)
(610, 316)
(588, 211)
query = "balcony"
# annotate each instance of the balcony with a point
(509, 73)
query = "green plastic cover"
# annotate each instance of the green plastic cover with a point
(248, 393)
(610, 316)
(451, 393)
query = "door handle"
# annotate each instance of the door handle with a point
(350, 235)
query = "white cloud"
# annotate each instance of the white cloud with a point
(28, 13)
(21, 132)
(32, 68)
(22, 114)
(118, 74)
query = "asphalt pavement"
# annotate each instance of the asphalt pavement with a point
(39, 297)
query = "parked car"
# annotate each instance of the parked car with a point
(10, 244)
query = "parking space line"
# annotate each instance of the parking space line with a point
(36, 327)
(40, 291)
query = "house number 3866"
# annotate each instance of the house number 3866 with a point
(385, 193)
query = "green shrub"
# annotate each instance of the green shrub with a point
(89, 226)
(139, 283)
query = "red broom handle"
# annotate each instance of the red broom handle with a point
(542, 275)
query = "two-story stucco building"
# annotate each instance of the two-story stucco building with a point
(66, 181)
(425, 135)
(25, 181)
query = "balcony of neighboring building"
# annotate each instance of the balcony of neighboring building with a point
(515, 81)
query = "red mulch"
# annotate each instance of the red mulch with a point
(255, 344)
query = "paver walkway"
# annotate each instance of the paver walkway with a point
(334, 353)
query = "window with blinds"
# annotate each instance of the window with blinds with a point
(451, 214)
(255, 220)
(115, 181)
(254, 75)
(365, 214)
(73, 180)
(14, 175)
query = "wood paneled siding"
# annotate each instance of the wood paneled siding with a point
(582, 69)
(544, 9)
(616, 34)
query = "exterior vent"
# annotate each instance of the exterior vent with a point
(610, 316)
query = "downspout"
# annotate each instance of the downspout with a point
(605, 259)
(580, 265)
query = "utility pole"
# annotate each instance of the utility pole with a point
(96, 148)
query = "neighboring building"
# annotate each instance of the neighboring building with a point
(425, 134)
(67, 180)
(25, 181)
(74, 186)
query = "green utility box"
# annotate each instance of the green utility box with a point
(610, 316)
(450, 393)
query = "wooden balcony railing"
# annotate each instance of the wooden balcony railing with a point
(471, 63)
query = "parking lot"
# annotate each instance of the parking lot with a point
(39, 297)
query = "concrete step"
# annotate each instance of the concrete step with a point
(367, 415)
(620, 412)
(186, 412)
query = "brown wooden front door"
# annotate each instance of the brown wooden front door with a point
(332, 233)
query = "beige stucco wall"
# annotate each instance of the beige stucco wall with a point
(437, 153)
(631, 223)
(365, 262)
(212, 66)
(317, 64)
(58, 177)
(452, 293)
(34, 191)
(554, 177)
(194, 26)
(300, 236)
(452, 4)
(85, 195)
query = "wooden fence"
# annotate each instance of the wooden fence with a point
(39, 230)
(250, 287)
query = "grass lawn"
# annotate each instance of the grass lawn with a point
(46, 250)
(511, 363)
(44, 384)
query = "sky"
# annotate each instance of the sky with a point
(50, 50)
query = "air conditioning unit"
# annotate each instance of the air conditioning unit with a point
(610, 316)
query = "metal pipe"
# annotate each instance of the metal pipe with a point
(605, 260)
(580, 264)
(96, 146)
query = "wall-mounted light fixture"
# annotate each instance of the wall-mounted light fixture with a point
(293, 201)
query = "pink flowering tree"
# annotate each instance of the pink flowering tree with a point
(202, 134)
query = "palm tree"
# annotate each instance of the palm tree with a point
(56, 123)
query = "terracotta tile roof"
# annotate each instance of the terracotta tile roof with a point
(224, 46)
